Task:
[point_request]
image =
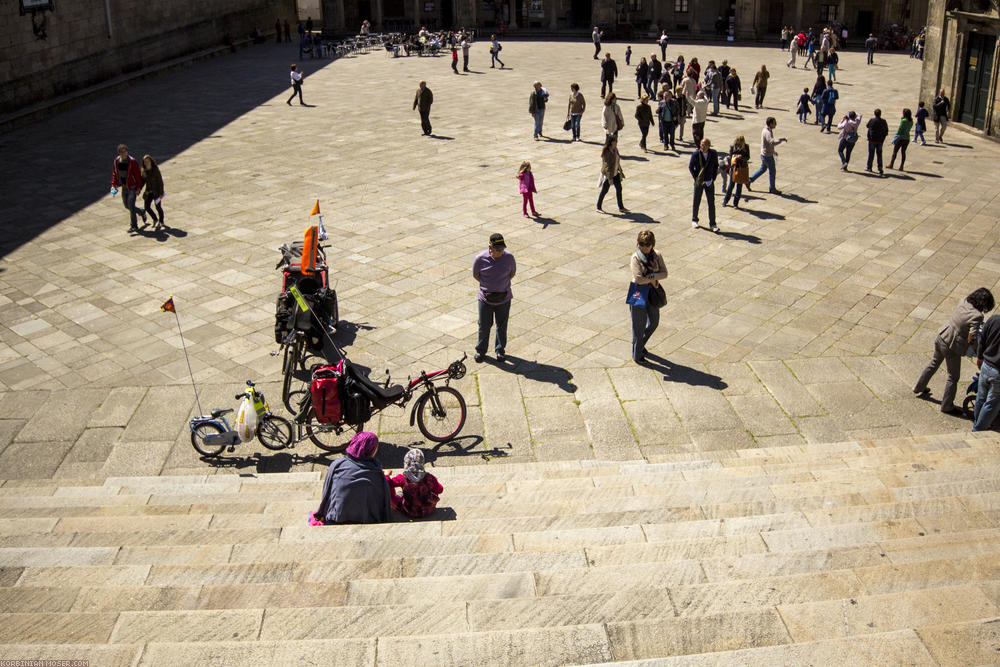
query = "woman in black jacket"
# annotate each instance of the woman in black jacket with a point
(641, 74)
(818, 89)
(154, 188)
(735, 88)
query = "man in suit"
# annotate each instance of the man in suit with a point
(609, 70)
(704, 167)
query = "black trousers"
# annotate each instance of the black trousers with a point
(617, 181)
(296, 90)
(425, 120)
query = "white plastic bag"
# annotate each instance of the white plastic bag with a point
(246, 420)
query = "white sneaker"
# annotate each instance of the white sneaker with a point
(694, 224)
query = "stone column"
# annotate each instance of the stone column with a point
(376, 17)
(798, 15)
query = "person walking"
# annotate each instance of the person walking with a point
(870, 45)
(653, 78)
(832, 59)
(495, 48)
(878, 130)
(793, 52)
(951, 343)
(829, 106)
(734, 89)
(802, 107)
(739, 161)
(126, 175)
(526, 186)
(988, 359)
(641, 75)
(848, 136)
(667, 111)
(704, 167)
(902, 139)
(760, 84)
(596, 37)
(767, 153)
(612, 118)
(699, 117)
(153, 191)
(536, 107)
(942, 107)
(577, 105)
(682, 111)
(647, 269)
(663, 45)
(493, 269)
(628, 56)
(422, 101)
(611, 173)
(465, 54)
(817, 97)
(920, 123)
(295, 76)
(644, 115)
(715, 84)
(609, 70)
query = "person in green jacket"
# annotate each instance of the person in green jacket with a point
(902, 139)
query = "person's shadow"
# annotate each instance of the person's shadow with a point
(545, 222)
(539, 372)
(674, 372)
(160, 233)
(736, 236)
(441, 137)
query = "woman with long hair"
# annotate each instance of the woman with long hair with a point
(611, 173)
(739, 160)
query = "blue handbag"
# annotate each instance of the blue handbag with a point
(638, 295)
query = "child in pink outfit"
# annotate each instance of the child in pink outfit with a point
(526, 184)
(414, 492)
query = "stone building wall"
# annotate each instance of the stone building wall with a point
(79, 51)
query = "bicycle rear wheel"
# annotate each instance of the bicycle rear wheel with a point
(325, 436)
(274, 432)
(198, 434)
(441, 416)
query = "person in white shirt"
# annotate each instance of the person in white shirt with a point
(767, 153)
(296, 80)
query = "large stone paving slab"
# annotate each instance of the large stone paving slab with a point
(805, 320)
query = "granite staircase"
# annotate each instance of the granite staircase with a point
(875, 552)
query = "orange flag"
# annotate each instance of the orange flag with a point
(168, 306)
(315, 210)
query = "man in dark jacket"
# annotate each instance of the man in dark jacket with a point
(988, 360)
(704, 167)
(941, 107)
(878, 130)
(609, 70)
(422, 101)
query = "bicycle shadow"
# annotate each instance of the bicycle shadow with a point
(283, 461)
(391, 455)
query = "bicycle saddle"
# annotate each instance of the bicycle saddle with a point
(218, 413)
(375, 391)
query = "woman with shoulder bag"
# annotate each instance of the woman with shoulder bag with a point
(739, 161)
(646, 296)
(611, 173)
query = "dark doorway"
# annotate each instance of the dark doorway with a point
(866, 25)
(978, 68)
(447, 15)
(580, 17)
(393, 9)
(775, 17)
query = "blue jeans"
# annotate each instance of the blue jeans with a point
(988, 398)
(918, 133)
(645, 319)
(729, 192)
(871, 57)
(128, 201)
(539, 117)
(574, 124)
(827, 121)
(766, 164)
(844, 151)
(832, 71)
(488, 313)
(715, 101)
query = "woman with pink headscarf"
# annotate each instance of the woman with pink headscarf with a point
(355, 490)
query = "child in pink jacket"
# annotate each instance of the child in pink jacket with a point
(526, 184)
(414, 492)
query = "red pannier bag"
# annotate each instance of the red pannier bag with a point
(325, 391)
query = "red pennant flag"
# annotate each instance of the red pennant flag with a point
(168, 306)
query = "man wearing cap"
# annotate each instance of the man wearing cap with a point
(493, 269)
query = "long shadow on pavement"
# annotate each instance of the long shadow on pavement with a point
(539, 372)
(163, 116)
(673, 372)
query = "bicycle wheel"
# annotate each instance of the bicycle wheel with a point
(198, 434)
(325, 436)
(441, 417)
(274, 432)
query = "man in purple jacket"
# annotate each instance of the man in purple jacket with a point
(493, 269)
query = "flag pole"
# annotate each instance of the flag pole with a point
(188, 360)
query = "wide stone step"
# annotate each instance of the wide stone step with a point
(903, 647)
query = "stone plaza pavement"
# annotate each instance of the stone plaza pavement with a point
(807, 320)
